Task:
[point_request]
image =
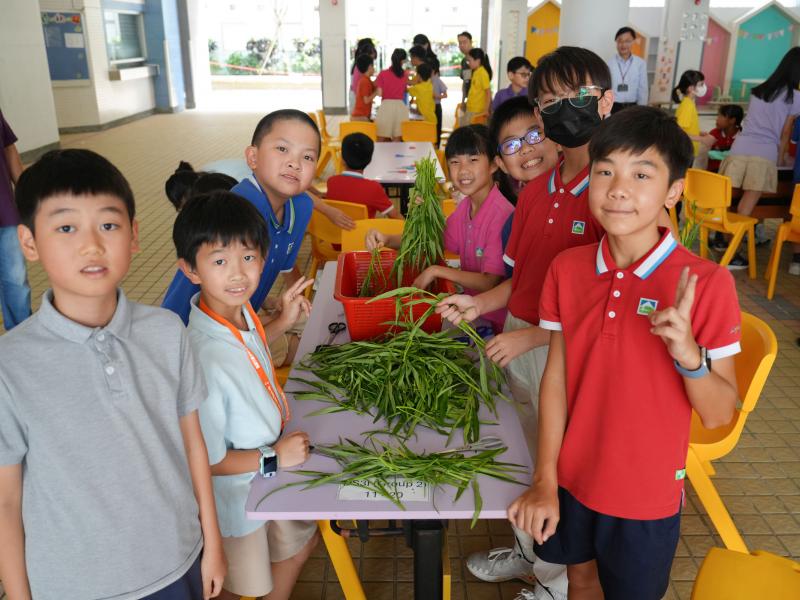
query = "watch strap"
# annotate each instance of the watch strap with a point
(700, 371)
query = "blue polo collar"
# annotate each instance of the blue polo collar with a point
(647, 264)
(576, 190)
(272, 218)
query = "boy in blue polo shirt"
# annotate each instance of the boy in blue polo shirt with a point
(283, 158)
(635, 323)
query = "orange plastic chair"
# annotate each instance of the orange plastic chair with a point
(728, 575)
(787, 232)
(479, 120)
(418, 131)
(753, 364)
(354, 239)
(707, 198)
(448, 207)
(366, 127)
(327, 151)
(324, 234)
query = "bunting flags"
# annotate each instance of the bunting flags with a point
(772, 35)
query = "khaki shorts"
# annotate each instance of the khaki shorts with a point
(279, 347)
(524, 374)
(391, 113)
(355, 118)
(249, 556)
(751, 173)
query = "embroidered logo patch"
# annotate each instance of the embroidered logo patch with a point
(680, 474)
(479, 252)
(578, 227)
(289, 248)
(646, 306)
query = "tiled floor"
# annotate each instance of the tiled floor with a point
(759, 480)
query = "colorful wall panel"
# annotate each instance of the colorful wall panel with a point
(542, 31)
(715, 58)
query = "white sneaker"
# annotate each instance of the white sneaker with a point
(500, 564)
(794, 268)
(539, 593)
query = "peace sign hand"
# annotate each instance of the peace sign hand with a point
(674, 324)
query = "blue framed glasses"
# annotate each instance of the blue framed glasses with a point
(514, 145)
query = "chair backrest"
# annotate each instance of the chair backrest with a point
(707, 196)
(325, 232)
(323, 126)
(738, 576)
(448, 207)
(794, 209)
(353, 239)
(365, 127)
(418, 131)
(354, 210)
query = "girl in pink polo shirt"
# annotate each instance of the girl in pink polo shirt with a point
(391, 85)
(473, 230)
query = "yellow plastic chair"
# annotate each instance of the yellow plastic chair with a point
(447, 131)
(327, 151)
(418, 131)
(324, 234)
(479, 119)
(354, 239)
(727, 575)
(366, 127)
(753, 364)
(787, 232)
(707, 198)
(448, 207)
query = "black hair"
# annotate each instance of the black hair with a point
(434, 63)
(688, 78)
(398, 57)
(733, 111)
(219, 217)
(622, 30)
(639, 128)
(421, 40)
(465, 34)
(568, 67)
(419, 52)
(471, 139)
(212, 182)
(357, 149)
(515, 107)
(76, 172)
(424, 71)
(363, 46)
(518, 62)
(179, 184)
(266, 124)
(785, 77)
(363, 62)
(479, 54)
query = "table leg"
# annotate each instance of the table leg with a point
(342, 562)
(404, 189)
(426, 540)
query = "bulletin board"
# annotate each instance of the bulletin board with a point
(65, 44)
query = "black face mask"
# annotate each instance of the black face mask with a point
(570, 126)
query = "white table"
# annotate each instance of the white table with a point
(393, 165)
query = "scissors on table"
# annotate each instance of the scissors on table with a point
(334, 329)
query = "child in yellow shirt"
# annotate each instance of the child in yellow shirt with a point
(692, 85)
(480, 90)
(423, 92)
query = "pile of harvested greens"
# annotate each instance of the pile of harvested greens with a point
(375, 281)
(373, 467)
(422, 243)
(409, 379)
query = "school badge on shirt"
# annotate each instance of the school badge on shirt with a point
(578, 227)
(647, 306)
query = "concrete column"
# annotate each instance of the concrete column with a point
(592, 24)
(506, 35)
(198, 50)
(333, 41)
(680, 46)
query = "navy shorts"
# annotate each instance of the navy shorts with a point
(634, 557)
(188, 587)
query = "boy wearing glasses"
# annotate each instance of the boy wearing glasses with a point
(570, 91)
(519, 72)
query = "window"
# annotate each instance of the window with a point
(124, 38)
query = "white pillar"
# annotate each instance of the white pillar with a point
(680, 46)
(505, 35)
(333, 41)
(592, 24)
(198, 48)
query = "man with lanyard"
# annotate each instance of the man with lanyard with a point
(628, 73)
(465, 45)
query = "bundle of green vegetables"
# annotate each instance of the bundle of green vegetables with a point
(374, 466)
(375, 281)
(422, 243)
(410, 378)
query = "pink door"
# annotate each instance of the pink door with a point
(715, 59)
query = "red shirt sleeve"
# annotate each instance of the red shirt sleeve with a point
(381, 201)
(716, 316)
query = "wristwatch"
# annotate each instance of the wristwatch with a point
(701, 371)
(268, 465)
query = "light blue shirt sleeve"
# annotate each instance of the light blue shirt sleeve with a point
(213, 418)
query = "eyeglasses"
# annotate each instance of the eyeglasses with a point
(514, 145)
(523, 74)
(582, 100)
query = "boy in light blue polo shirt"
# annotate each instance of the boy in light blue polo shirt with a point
(277, 188)
(222, 244)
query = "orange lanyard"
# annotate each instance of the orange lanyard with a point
(277, 397)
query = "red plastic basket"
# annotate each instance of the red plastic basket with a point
(365, 321)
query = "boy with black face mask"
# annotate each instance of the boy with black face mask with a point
(570, 91)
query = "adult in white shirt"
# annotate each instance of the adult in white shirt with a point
(628, 73)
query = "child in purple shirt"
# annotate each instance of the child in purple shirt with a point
(473, 230)
(519, 73)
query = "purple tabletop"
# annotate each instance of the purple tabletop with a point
(323, 502)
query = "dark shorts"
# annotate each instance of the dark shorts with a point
(633, 557)
(188, 587)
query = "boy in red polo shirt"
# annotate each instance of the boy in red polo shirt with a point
(635, 321)
(352, 186)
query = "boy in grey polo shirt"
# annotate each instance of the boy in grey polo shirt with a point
(105, 489)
